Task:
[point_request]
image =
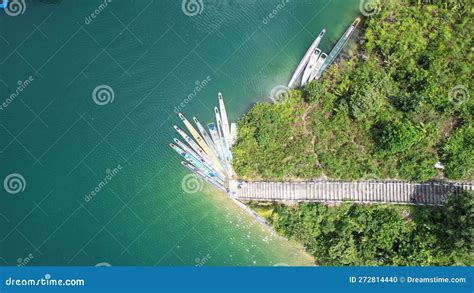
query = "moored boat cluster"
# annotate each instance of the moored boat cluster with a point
(314, 62)
(208, 153)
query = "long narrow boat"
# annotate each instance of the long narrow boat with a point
(195, 162)
(203, 176)
(218, 142)
(338, 47)
(225, 148)
(313, 60)
(225, 122)
(204, 161)
(233, 132)
(196, 136)
(207, 139)
(301, 66)
(191, 142)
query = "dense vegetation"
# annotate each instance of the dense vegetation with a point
(381, 235)
(397, 102)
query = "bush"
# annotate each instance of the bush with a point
(398, 136)
(458, 153)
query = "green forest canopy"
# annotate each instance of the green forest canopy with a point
(397, 102)
(394, 105)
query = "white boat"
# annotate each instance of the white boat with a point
(213, 131)
(304, 61)
(233, 132)
(313, 60)
(207, 138)
(317, 67)
(196, 136)
(225, 122)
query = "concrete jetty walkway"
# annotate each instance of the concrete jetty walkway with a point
(389, 192)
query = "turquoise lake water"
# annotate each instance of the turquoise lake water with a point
(61, 144)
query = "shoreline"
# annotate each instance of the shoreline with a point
(369, 119)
